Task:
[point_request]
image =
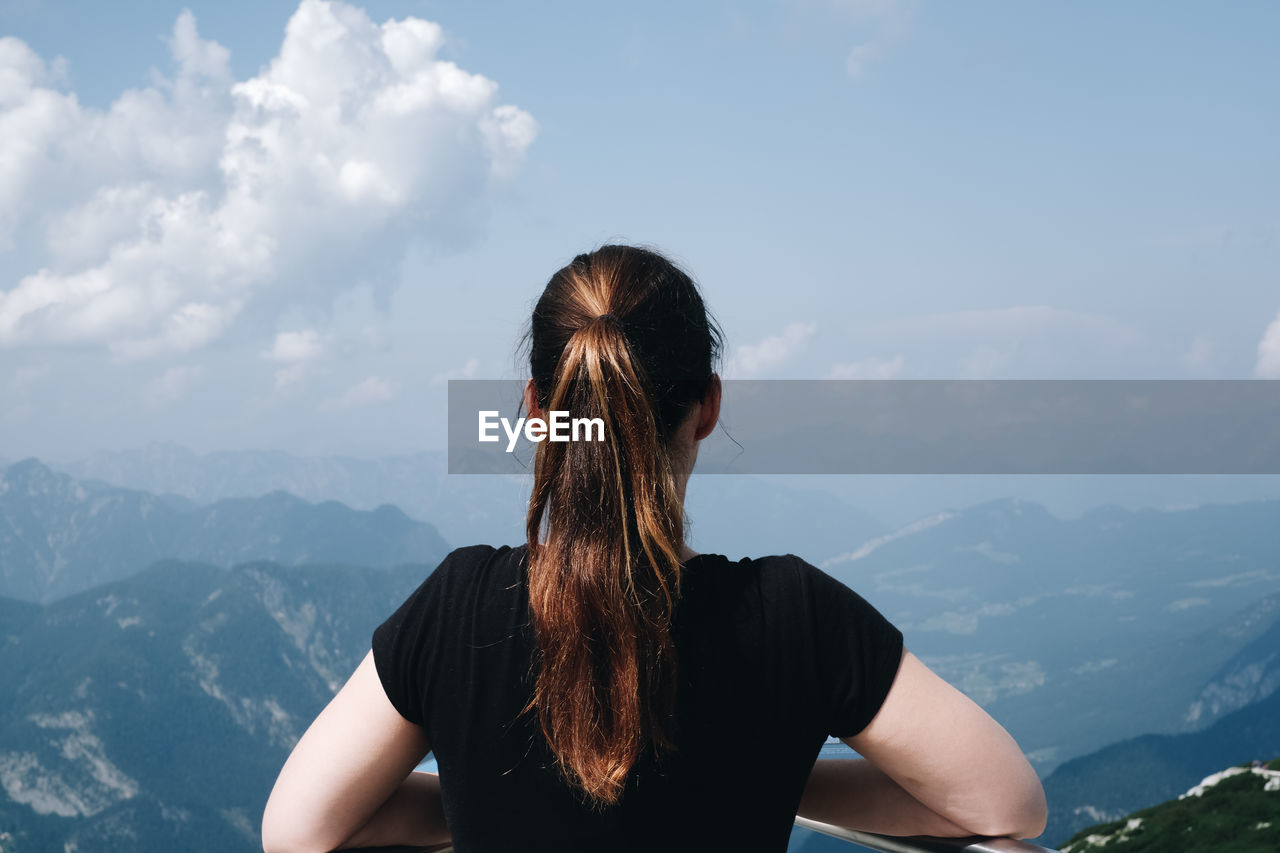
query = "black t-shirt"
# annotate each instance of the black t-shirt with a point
(773, 656)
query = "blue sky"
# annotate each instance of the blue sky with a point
(864, 189)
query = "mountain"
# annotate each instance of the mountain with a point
(1236, 810)
(59, 535)
(1112, 782)
(1064, 629)
(154, 712)
(735, 515)
(465, 509)
(1250, 675)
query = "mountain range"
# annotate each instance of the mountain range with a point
(59, 535)
(1065, 629)
(1130, 652)
(154, 712)
(1142, 771)
(734, 515)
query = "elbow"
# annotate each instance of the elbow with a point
(275, 841)
(1025, 817)
(283, 834)
(276, 837)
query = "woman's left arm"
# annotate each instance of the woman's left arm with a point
(348, 781)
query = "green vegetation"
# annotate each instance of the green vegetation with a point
(1236, 811)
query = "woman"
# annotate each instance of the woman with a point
(603, 687)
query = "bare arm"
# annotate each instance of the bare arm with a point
(939, 765)
(413, 816)
(854, 793)
(347, 782)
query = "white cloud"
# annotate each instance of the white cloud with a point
(367, 392)
(750, 360)
(185, 203)
(294, 351)
(1268, 366)
(468, 371)
(295, 346)
(868, 368)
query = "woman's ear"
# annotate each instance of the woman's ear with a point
(531, 400)
(709, 412)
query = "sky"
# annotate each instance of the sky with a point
(286, 225)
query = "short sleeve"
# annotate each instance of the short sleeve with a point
(406, 644)
(857, 651)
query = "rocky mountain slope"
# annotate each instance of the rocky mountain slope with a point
(1143, 771)
(153, 713)
(1236, 810)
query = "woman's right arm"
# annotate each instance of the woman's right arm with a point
(929, 746)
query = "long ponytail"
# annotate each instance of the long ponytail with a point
(620, 335)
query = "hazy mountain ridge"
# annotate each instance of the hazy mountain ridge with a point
(1236, 810)
(734, 515)
(59, 535)
(1061, 628)
(154, 712)
(1064, 628)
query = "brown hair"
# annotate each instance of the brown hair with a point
(619, 334)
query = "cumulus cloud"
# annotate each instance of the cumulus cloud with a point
(751, 360)
(1268, 366)
(294, 351)
(470, 370)
(367, 392)
(165, 216)
(295, 346)
(868, 368)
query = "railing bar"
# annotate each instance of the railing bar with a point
(891, 844)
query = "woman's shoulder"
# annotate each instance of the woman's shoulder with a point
(467, 555)
(773, 574)
(767, 563)
(470, 564)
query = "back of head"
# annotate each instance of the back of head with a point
(620, 334)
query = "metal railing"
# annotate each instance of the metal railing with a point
(885, 843)
(920, 844)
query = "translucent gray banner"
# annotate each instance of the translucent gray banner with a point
(936, 427)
